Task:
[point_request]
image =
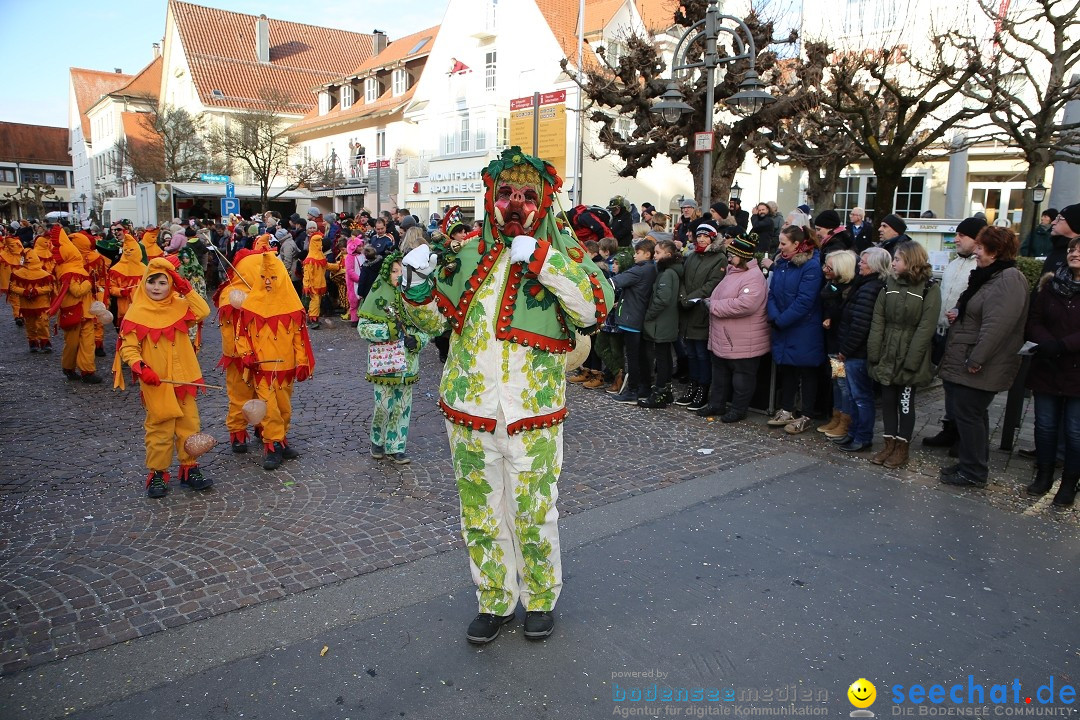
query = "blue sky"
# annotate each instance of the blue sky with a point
(44, 38)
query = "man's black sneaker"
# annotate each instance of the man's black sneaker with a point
(157, 484)
(710, 411)
(960, 479)
(733, 416)
(287, 453)
(626, 397)
(485, 627)
(951, 470)
(539, 624)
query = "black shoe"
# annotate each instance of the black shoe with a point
(71, 374)
(99, 352)
(34, 349)
(852, 446)
(485, 627)
(842, 439)
(272, 458)
(19, 321)
(239, 447)
(960, 479)
(733, 416)
(287, 453)
(1066, 494)
(954, 451)
(195, 480)
(656, 399)
(948, 436)
(710, 411)
(313, 326)
(951, 470)
(687, 397)
(400, 458)
(701, 399)
(538, 624)
(46, 349)
(1044, 479)
(627, 397)
(91, 378)
(157, 485)
(377, 451)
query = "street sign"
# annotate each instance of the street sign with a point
(230, 190)
(163, 194)
(230, 206)
(381, 164)
(209, 178)
(703, 141)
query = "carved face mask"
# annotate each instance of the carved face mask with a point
(517, 201)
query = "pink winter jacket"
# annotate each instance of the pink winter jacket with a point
(738, 324)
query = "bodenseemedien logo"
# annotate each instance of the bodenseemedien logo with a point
(862, 694)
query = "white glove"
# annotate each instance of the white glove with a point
(419, 263)
(522, 248)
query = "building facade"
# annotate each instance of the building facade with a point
(34, 156)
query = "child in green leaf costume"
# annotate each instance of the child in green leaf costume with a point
(516, 296)
(385, 317)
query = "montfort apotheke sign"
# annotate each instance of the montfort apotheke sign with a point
(460, 182)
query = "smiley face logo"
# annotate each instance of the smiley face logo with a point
(862, 693)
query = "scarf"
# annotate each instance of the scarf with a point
(979, 277)
(1064, 284)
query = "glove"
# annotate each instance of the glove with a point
(420, 263)
(303, 372)
(249, 361)
(146, 374)
(411, 343)
(180, 285)
(522, 249)
(174, 259)
(1051, 348)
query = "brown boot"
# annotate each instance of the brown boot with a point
(579, 376)
(617, 386)
(826, 427)
(842, 427)
(597, 380)
(899, 454)
(880, 457)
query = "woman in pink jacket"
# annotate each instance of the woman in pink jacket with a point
(738, 332)
(354, 260)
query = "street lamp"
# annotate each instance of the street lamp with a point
(736, 191)
(1038, 194)
(751, 96)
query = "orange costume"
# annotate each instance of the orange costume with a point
(72, 308)
(240, 390)
(125, 276)
(315, 267)
(150, 244)
(35, 289)
(97, 265)
(44, 252)
(10, 261)
(154, 343)
(274, 349)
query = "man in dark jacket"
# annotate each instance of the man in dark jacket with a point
(742, 217)
(831, 234)
(636, 286)
(1066, 226)
(892, 232)
(862, 235)
(622, 226)
(1038, 243)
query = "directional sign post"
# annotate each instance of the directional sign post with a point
(230, 190)
(211, 178)
(230, 206)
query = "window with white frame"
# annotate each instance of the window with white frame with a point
(380, 143)
(449, 141)
(348, 96)
(489, 71)
(613, 51)
(324, 102)
(481, 135)
(400, 80)
(860, 190)
(464, 142)
(371, 90)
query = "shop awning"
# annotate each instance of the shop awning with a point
(242, 191)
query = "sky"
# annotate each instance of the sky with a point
(108, 34)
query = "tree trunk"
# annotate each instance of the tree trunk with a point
(888, 179)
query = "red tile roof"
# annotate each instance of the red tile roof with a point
(36, 144)
(90, 86)
(657, 14)
(146, 83)
(141, 137)
(400, 50)
(220, 50)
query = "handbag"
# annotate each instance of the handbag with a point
(386, 358)
(70, 317)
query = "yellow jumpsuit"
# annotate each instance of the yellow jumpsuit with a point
(239, 388)
(125, 276)
(97, 266)
(34, 287)
(72, 307)
(315, 267)
(10, 261)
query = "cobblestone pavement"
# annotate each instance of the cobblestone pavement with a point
(86, 560)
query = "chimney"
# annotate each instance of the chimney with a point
(262, 39)
(157, 50)
(378, 41)
(118, 71)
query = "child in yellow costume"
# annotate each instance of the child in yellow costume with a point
(274, 349)
(247, 265)
(44, 252)
(125, 276)
(154, 343)
(10, 261)
(72, 308)
(150, 244)
(315, 267)
(34, 288)
(97, 265)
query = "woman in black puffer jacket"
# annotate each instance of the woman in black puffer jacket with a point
(839, 271)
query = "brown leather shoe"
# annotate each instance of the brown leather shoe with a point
(899, 454)
(596, 381)
(580, 376)
(881, 456)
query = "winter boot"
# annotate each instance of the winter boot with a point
(658, 398)
(688, 397)
(946, 438)
(157, 484)
(899, 455)
(192, 476)
(831, 425)
(701, 399)
(1067, 492)
(618, 385)
(287, 453)
(1044, 478)
(579, 376)
(271, 456)
(842, 427)
(885, 452)
(238, 440)
(596, 381)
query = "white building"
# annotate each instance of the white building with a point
(35, 155)
(85, 88)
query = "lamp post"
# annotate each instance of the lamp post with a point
(736, 191)
(751, 96)
(1038, 194)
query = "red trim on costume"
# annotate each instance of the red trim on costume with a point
(169, 332)
(314, 291)
(598, 299)
(315, 261)
(543, 248)
(504, 330)
(226, 314)
(40, 283)
(274, 321)
(540, 421)
(228, 361)
(466, 420)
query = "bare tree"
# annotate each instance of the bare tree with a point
(626, 88)
(316, 173)
(258, 139)
(1031, 74)
(30, 199)
(169, 147)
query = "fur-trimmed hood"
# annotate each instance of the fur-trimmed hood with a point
(799, 259)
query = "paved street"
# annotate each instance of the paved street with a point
(87, 562)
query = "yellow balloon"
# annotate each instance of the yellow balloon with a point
(862, 693)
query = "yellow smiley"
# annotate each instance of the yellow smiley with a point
(862, 693)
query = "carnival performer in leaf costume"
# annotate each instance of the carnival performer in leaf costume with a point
(35, 289)
(154, 343)
(274, 349)
(126, 275)
(386, 320)
(516, 296)
(72, 308)
(315, 267)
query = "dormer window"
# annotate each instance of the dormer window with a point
(347, 96)
(324, 102)
(371, 90)
(400, 81)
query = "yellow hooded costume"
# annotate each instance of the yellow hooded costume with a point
(154, 342)
(97, 265)
(274, 349)
(240, 389)
(10, 261)
(126, 275)
(72, 308)
(35, 289)
(44, 252)
(150, 244)
(315, 267)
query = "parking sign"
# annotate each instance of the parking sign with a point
(230, 206)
